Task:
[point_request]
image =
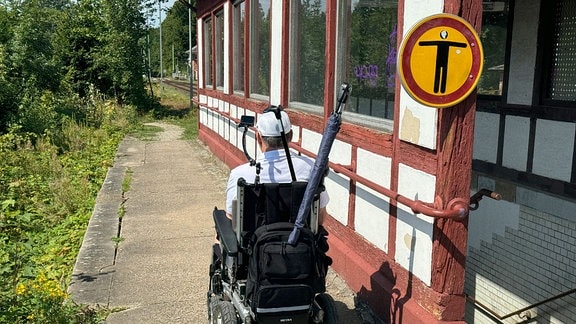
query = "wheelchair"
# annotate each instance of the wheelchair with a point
(255, 275)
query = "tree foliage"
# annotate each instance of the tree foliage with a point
(71, 82)
(68, 51)
(175, 40)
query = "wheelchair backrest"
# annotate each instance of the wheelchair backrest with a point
(268, 203)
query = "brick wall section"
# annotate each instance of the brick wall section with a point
(525, 266)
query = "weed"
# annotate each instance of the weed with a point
(127, 180)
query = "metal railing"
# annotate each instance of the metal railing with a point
(523, 313)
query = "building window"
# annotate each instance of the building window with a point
(208, 60)
(493, 36)
(219, 43)
(561, 62)
(260, 48)
(239, 18)
(307, 52)
(367, 36)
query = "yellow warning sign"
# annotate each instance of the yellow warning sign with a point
(440, 60)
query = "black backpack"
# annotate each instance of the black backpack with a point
(282, 277)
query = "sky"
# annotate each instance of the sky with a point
(165, 7)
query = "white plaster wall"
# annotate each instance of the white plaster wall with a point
(523, 52)
(341, 152)
(251, 145)
(213, 120)
(276, 52)
(375, 167)
(416, 10)
(486, 137)
(233, 130)
(414, 232)
(371, 218)
(234, 138)
(234, 111)
(418, 122)
(417, 185)
(202, 115)
(515, 151)
(311, 140)
(371, 213)
(337, 185)
(414, 245)
(222, 125)
(553, 149)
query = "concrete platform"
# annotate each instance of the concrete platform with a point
(157, 271)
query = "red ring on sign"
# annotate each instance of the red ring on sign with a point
(408, 80)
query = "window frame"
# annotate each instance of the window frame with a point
(547, 28)
(506, 71)
(254, 50)
(218, 35)
(342, 70)
(207, 53)
(295, 59)
(239, 19)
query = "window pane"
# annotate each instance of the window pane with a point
(371, 60)
(219, 34)
(260, 47)
(307, 59)
(208, 52)
(238, 30)
(563, 65)
(493, 37)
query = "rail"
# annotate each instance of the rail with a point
(457, 208)
(522, 312)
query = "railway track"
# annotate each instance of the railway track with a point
(180, 85)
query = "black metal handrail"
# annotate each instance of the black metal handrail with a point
(521, 310)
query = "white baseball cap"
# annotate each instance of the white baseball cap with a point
(268, 124)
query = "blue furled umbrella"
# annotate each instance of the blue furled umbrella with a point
(317, 172)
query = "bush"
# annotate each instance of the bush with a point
(48, 192)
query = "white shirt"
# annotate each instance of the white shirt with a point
(275, 169)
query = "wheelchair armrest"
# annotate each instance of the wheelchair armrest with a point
(225, 232)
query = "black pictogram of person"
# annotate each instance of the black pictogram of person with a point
(442, 52)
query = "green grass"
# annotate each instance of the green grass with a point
(146, 132)
(175, 109)
(48, 187)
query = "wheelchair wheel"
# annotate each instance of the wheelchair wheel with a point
(222, 312)
(326, 303)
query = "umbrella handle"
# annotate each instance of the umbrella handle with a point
(345, 90)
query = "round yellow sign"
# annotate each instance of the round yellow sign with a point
(440, 60)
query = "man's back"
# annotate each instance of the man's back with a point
(274, 169)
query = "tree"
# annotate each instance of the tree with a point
(175, 29)
(8, 101)
(121, 55)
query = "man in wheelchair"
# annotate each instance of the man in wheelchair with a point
(256, 276)
(273, 161)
